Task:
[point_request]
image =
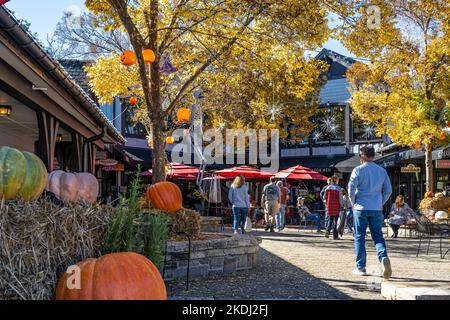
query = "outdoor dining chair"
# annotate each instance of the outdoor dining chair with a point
(426, 229)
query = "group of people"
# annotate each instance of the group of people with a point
(369, 189)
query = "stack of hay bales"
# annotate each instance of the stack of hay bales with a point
(40, 240)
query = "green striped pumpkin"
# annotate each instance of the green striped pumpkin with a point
(22, 175)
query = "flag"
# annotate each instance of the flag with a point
(3, 2)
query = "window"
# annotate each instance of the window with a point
(130, 127)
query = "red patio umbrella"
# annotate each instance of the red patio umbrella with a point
(178, 171)
(246, 171)
(300, 173)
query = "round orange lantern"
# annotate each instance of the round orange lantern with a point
(170, 140)
(417, 145)
(128, 58)
(183, 114)
(133, 100)
(442, 136)
(149, 56)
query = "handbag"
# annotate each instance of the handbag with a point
(248, 225)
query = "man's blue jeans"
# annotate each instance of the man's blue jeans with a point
(280, 217)
(373, 219)
(239, 218)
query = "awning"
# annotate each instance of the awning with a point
(300, 173)
(349, 164)
(321, 164)
(246, 171)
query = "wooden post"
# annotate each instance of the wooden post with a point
(48, 129)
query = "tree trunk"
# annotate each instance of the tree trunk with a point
(429, 168)
(158, 154)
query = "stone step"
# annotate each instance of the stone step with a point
(415, 290)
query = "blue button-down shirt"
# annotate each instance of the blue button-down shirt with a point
(369, 187)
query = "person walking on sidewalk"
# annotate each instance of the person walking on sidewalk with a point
(280, 217)
(369, 189)
(270, 201)
(240, 200)
(348, 211)
(333, 202)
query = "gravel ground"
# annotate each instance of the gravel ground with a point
(300, 265)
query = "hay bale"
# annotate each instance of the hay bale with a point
(186, 220)
(39, 240)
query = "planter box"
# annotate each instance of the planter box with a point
(211, 257)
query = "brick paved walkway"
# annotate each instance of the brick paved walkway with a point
(304, 265)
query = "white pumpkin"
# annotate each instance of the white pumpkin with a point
(441, 215)
(73, 187)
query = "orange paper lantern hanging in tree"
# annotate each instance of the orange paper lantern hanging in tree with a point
(170, 140)
(128, 58)
(442, 136)
(183, 114)
(133, 100)
(149, 56)
(417, 145)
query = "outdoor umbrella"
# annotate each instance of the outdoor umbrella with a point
(246, 171)
(300, 173)
(178, 171)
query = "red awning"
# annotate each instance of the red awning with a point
(246, 171)
(177, 171)
(300, 173)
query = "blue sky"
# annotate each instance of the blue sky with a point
(44, 15)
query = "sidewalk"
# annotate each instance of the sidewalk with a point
(304, 265)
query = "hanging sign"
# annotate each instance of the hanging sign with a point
(442, 164)
(108, 162)
(410, 168)
(117, 167)
(101, 155)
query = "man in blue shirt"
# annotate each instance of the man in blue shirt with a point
(369, 188)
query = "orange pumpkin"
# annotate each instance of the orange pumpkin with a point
(133, 100)
(128, 58)
(183, 114)
(170, 140)
(442, 136)
(115, 276)
(165, 196)
(149, 56)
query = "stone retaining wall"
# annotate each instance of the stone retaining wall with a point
(211, 257)
(211, 224)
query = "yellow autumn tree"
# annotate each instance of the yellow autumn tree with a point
(404, 86)
(242, 53)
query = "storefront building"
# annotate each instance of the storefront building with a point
(49, 114)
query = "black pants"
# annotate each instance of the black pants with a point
(332, 223)
(395, 228)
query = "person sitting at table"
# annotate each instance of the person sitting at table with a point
(307, 215)
(399, 215)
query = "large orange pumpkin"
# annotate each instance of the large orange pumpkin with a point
(115, 276)
(149, 56)
(128, 58)
(73, 187)
(183, 114)
(165, 196)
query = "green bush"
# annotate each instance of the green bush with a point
(135, 231)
